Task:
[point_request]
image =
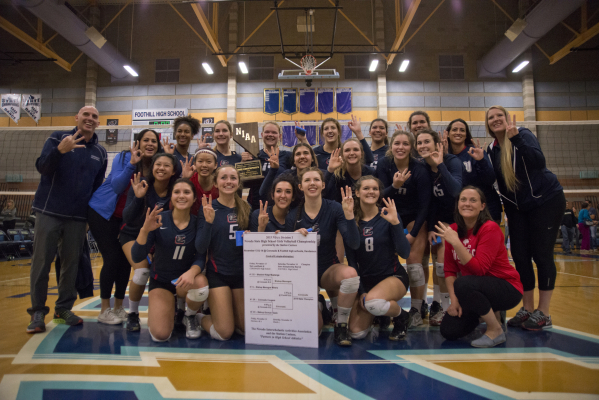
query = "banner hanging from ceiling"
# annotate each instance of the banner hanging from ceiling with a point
(11, 105)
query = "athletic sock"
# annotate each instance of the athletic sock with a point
(445, 301)
(333, 303)
(343, 315)
(417, 304)
(436, 293)
(134, 307)
(180, 303)
(189, 312)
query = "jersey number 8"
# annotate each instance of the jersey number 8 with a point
(369, 242)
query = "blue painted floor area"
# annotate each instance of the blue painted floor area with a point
(54, 394)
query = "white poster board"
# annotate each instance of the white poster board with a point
(281, 289)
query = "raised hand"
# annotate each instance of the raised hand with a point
(445, 141)
(389, 212)
(263, 217)
(187, 168)
(356, 126)
(512, 128)
(347, 202)
(207, 209)
(436, 156)
(140, 187)
(168, 148)
(400, 178)
(135, 153)
(202, 143)
(153, 219)
(71, 142)
(477, 152)
(398, 127)
(300, 137)
(245, 156)
(447, 233)
(274, 157)
(335, 161)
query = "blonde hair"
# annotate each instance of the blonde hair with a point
(507, 153)
(271, 123)
(411, 139)
(242, 208)
(340, 172)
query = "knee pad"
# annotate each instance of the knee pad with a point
(416, 274)
(350, 285)
(439, 269)
(377, 307)
(214, 334)
(359, 335)
(141, 276)
(158, 340)
(198, 295)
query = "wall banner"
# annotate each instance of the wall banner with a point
(272, 101)
(11, 105)
(343, 100)
(32, 105)
(326, 98)
(290, 101)
(112, 135)
(307, 100)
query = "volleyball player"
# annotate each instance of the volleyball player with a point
(478, 170)
(326, 217)
(379, 131)
(346, 166)
(155, 190)
(219, 220)
(446, 175)
(383, 280)
(201, 175)
(185, 128)
(534, 203)
(177, 267)
(224, 155)
(408, 183)
(272, 219)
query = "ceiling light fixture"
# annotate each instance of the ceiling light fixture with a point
(243, 67)
(404, 65)
(130, 70)
(207, 68)
(373, 65)
(520, 66)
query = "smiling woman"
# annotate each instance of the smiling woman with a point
(184, 131)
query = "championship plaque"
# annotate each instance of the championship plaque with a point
(246, 135)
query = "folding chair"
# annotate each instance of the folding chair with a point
(5, 245)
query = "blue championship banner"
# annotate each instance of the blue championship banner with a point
(307, 100)
(272, 101)
(290, 101)
(290, 140)
(326, 97)
(343, 100)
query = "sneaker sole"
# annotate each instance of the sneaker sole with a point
(487, 347)
(344, 343)
(537, 329)
(36, 330)
(62, 321)
(110, 322)
(397, 339)
(134, 329)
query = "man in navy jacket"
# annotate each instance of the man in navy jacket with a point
(72, 165)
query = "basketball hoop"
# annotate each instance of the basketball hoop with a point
(308, 64)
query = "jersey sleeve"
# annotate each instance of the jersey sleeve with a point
(331, 190)
(450, 265)
(451, 173)
(368, 156)
(290, 220)
(400, 242)
(489, 240)
(200, 260)
(484, 170)
(133, 207)
(425, 193)
(203, 234)
(268, 181)
(254, 220)
(139, 252)
(49, 159)
(347, 227)
(351, 258)
(529, 149)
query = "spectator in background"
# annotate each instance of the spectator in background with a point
(568, 228)
(9, 215)
(584, 222)
(593, 228)
(72, 165)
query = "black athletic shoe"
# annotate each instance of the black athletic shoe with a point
(400, 326)
(424, 309)
(435, 308)
(342, 337)
(179, 316)
(384, 323)
(326, 313)
(64, 316)
(133, 322)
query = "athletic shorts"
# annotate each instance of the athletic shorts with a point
(125, 238)
(407, 218)
(216, 280)
(155, 284)
(367, 283)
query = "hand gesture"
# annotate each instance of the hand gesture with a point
(140, 187)
(153, 219)
(400, 178)
(432, 238)
(512, 128)
(186, 281)
(347, 202)
(355, 125)
(389, 212)
(245, 156)
(303, 231)
(300, 138)
(207, 208)
(202, 143)
(410, 238)
(71, 142)
(263, 217)
(398, 127)
(477, 152)
(444, 140)
(168, 148)
(436, 157)
(273, 157)
(447, 233)
(454, 309)
(335, 161)
(135, 153)
(187, 168)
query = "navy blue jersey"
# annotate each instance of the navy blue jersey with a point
(218, 240)
(175, 251)
(414, 197)
(329, 220)
(380, 243)
(134, 213)
(323, 156)
(284, 160)
(378, 155)
(272, 226)
(254, 185)
(221, 159)
(334, 184)
(481, 174)
(447, 184)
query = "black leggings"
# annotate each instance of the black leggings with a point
(116, 268)
(533, 234)
(477, 296)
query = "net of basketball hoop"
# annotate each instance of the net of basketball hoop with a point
(308, 64)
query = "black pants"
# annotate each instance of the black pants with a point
(533, 234)
(116, 268)
(477, 296)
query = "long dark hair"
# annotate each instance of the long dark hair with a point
(297, 146)
(191, 185)
(292, 180)
(423, 113)
(151, 179)
(386, 129)
(483, 217)
(468, 140)
(137, 138)
(300, 208)
(359, 214)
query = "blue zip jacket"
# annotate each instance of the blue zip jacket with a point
(447, 184)
(537, 184)
(583, 215)
(104, 199)
(68, 180)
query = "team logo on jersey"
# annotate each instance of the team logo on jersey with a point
(468, 166)
(159, 205)
(315, 228)
(231, 218)
(367, 231)
(376, 157)
(180, 239)
(223, 162)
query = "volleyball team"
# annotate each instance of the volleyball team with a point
(173, 217)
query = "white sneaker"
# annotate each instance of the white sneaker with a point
(192, 328)
(121, 313)
(109, 317)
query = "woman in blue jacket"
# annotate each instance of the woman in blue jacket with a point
(534, 203)
(105, 220)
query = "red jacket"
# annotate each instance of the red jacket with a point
(200, 193)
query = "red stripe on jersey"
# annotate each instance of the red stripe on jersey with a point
(213, 263)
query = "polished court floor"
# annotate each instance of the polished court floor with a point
(96, 361)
